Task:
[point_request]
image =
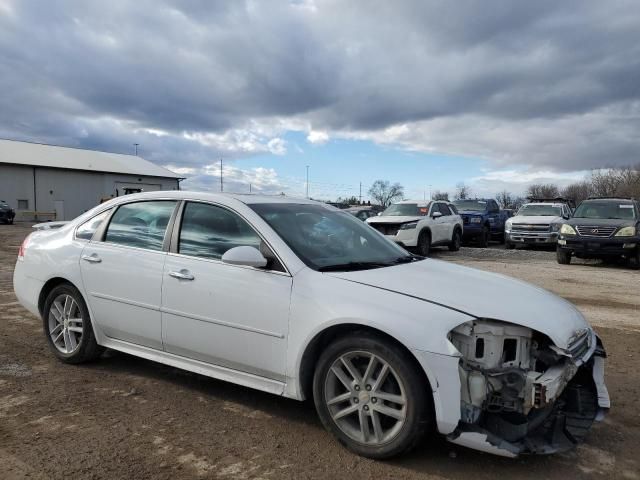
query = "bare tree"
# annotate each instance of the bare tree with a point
(462, 192)
(504, 198)
(578, 191)
(438, 195)
(384, 193)
(622, 181)
(543, 190)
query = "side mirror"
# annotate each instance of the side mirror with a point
(436, 215)
(248, 256)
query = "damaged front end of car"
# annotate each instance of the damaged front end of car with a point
(520, 393)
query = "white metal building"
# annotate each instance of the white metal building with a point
(60, 183)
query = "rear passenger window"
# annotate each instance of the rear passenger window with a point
(209, 231)
(140, 224)
(88, 228)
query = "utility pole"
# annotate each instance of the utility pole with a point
(221, 186)
(430, 195)
(360, 199)
(135, 146)
(249, 188)
(307, 184)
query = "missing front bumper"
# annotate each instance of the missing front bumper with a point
(557, 428)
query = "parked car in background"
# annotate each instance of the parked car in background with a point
(7, 214)
(536, 223)
(420, 225)
(483, 220)
(606, 228)
(362, 213)
(299, 299)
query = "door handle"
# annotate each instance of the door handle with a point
(93, 258)
(182, 275)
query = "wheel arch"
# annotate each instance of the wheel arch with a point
(423, 230)
(50, 285)
(314, 348)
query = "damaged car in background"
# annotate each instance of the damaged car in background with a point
(300, 299)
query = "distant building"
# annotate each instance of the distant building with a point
(60, 183)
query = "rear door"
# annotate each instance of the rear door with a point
(122, 271)
(448, 221)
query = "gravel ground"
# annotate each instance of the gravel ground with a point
(123, 417)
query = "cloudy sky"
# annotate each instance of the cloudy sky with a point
(427, 93)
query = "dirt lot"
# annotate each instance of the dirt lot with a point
(124, 417)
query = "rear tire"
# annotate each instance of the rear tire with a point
(424, 243)
(564, 258)
(352, 407)
(456, 241)
(67, 326)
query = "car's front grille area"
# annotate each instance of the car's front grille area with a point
(387, 228)
(527, 227)
(595, 231)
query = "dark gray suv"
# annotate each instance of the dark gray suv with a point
(607, 228)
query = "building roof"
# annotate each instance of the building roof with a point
(40, 155)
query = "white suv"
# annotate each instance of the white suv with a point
(421, 225)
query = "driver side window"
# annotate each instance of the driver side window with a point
(209, 231)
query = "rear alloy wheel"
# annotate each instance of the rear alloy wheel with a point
(68, 326)
(456, 241)
(484, 237)
(370, 396)
(424, 243)
(563, 257)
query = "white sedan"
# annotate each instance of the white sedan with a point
(299, 299)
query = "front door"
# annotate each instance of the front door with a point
(122, 272)
(233, 316)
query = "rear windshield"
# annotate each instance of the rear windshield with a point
(540, 210)
(405, 210)
(473, 205)
(608, 209)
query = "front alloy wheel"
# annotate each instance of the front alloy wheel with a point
(371, 396)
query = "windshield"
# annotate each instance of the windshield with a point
(617, 210)
(472, 205)
(326, 239)
(540, 210)
(405, 210)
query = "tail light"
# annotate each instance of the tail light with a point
(23, 247)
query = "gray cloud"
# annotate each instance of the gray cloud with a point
(549, 84)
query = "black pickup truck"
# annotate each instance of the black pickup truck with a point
(607, 228)
(7, 214)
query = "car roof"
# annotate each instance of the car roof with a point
(216, 197)
(544, 203)
(419, 202)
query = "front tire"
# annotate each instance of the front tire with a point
(564, 258)
(484, 237)
(424, 243)
(371, 396)
(509, 245)
(634, 260)
(67, 326)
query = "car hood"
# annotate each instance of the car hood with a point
(478, 293)
(604, 222)
(394, 219)
(536, 219)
